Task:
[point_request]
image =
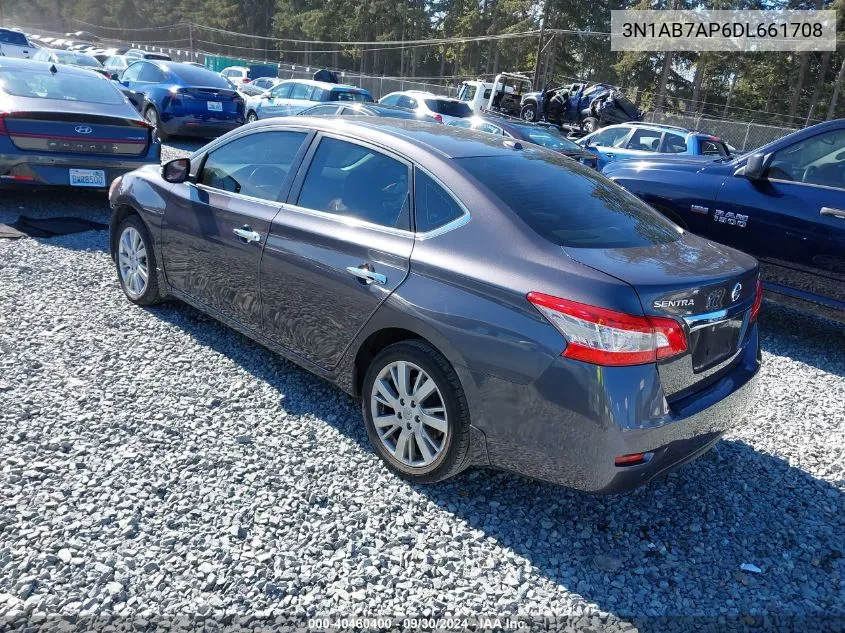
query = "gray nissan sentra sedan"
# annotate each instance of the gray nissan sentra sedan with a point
(490, 303)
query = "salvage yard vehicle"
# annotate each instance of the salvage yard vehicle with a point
(586, 107)
(503, 94)
(441, 109)
(491, 303)
(62, 125)
(180, 99)
(14, 44)
(645, 140)
(545, 135)
(293, 95)
(783, 203)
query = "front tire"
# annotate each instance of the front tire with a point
(529, 112)
(416, 413)
(136, 263)
(251, 117)
(152, 117)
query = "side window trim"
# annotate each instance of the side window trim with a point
(451, 224)
(289, 179)
(308, 160)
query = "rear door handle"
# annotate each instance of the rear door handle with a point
(247, 234)
(609, 155)
(836, 213)
(367, 276)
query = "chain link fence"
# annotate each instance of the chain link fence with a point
(743, 136)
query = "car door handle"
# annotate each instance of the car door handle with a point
(367, 276)
(836, 213)
(247, 234)
(609, 155)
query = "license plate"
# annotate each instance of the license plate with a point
(87, 178)
(215, 106)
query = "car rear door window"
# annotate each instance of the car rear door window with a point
(131, 73)
(255, 165)
(645, 140)
(674, 143)
(301, 91)
(433, 206)
(407, 102)
(356, 181)
(391, 100)
(568, 204)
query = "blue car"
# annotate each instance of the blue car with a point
(294, 95)
(65, 126)
(182, 99)
(783, 203)
(644, 140)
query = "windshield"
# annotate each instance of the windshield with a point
(86, 60)
(75, 87)
(449, 107)
(467, 92)
(567, 204)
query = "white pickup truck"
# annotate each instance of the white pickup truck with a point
(503, 94)
(14, 44)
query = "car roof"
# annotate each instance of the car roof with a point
(322, 84)
(405, 136)
(15, 63)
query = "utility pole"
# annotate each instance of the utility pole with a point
(1, 12)
(537, 64)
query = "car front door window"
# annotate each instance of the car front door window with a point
(610, 138)
(644, 141)
(818, 160)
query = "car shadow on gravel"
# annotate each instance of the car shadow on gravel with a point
(672, 548)
(809, 339)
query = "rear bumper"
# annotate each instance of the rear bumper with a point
(31, 169)
(200, 125)
(569, 425)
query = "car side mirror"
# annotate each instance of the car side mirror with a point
(177, 170)
(755, 167)
(114, 77)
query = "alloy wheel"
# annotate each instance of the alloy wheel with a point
(409, 414)
(132, 262)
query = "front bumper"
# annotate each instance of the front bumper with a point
(32, 169)
(569, 425)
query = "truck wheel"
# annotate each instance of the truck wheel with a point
(528, 112)
(590, 124)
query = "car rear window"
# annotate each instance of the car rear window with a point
(448, 107)
(195, 76)
(547, 137)
(350, 95)
(712, 147)
(567, 204)
(60, 86)
(14, 38)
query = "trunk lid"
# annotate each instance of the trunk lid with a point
(76, 133)
(707, 287)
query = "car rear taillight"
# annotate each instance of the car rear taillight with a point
(3, 131)
(438, 118)
(758, 301)
(605, 337)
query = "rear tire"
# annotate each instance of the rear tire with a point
(528, 113)
(151, 116)
(136, 263)
(416, 413)
(590, 124)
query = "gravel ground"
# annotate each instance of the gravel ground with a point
(154, 464)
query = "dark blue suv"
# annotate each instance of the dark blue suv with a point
(783, 203)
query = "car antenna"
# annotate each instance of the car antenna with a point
(53, 69)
